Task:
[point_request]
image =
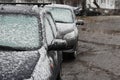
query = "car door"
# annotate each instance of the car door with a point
(53, 55)
(56, 34)
(55, 31)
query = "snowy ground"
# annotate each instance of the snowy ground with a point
(99, 48)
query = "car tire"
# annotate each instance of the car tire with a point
(73, 55)
(82, 23)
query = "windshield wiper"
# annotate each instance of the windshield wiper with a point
(9, 48)
(60, 21)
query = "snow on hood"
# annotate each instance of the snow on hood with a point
(65, 28)
(17, 65)
(42, 69)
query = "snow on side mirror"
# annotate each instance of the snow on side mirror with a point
(58, 44)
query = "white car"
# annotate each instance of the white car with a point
(67, 25)
(29, 49)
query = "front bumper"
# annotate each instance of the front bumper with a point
(72, 39)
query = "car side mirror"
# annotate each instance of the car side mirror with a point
(57, 44)
(80, 22)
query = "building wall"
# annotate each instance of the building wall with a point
(89, 4)
(40, 1)
(74, 3)
(7, 0)
(26, 1)
(105, 4)
(117, 4)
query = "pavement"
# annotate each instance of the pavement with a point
(99, 51)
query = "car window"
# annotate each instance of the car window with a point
(19, 31)
(52, 24)
(49, 33)
(62, 15)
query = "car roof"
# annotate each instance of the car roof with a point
(19, 9)
(60, 6)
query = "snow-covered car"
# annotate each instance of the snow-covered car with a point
(78, 11)
(66, 24)
(28, 45)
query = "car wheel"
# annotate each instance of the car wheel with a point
(73, 55)
(69, 56)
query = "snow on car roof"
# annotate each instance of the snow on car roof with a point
(60, 6)
(25, 9)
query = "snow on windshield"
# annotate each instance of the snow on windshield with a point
(19, 31)
(62, 15)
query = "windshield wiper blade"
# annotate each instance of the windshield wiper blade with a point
(7, 48)
(60, 21)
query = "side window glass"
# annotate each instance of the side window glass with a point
(52, 24)
(49, 33)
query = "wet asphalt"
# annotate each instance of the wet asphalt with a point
(99, 51)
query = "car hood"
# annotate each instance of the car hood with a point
(65, 28)
(17, 65)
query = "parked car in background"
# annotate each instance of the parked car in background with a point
(28, 44)
(78, 11)
(66, 24)
(87, 12)
(92, 12)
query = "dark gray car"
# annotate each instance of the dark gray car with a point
(67, 26)
(28, 45)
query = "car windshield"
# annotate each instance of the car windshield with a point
(19, 31)
(62, 15)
